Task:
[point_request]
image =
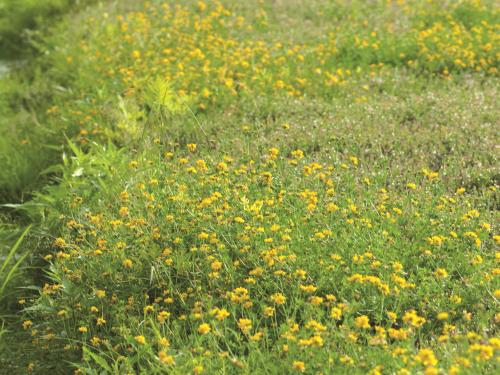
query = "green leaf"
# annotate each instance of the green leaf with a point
(98, 359)
(6, 277)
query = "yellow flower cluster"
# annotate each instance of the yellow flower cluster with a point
(208, 254)
(179, 57)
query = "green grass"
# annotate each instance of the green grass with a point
(337, 160)
(11, 263)
(21, 19)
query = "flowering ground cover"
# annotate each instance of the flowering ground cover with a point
(257, 187)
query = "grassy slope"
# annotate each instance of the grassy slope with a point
(395, 119)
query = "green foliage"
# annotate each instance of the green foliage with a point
(10, 263)
(19, 16)
(68, 90)
(335, 159)
(165, 233)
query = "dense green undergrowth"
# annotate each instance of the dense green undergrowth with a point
(20, 18)
(215, 185)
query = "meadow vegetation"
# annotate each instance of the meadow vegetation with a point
(20, 20)
(254, 187)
